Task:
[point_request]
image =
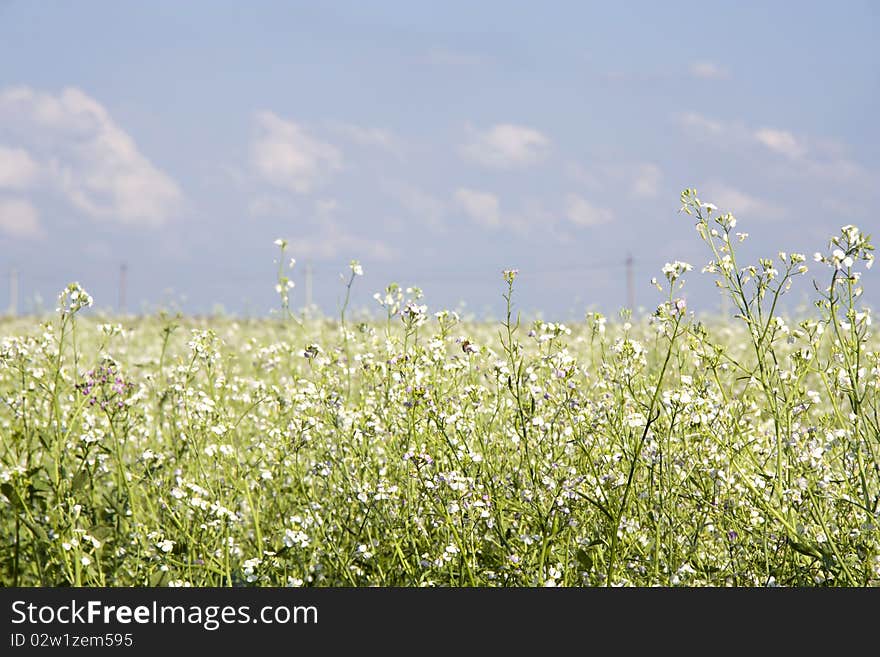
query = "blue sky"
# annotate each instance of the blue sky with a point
(438, 144)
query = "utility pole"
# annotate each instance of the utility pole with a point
(630, 285)
(13, 292)
(123, 271)
(308, 286)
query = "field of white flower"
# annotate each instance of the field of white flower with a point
(427, 450)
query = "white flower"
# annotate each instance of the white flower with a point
(673, 270)
(356, 268)
(165, 545)
(74, 298)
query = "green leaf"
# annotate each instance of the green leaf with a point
(44, 439)
(101, 532)
(584, 555)
(79, 480)
(36, 530)
(12, 495)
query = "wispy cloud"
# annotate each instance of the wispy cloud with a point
(271, 205)
(481, 207)
(845, 209)
(707, 70)
(781, 141)
(332, 240)
(580, 212)
(282, 206)
(423, 208)
(88, 157)
(638, 179)
(646, 179)
(326, 208)
(803, 156)
(18, 170)
(506, 146)
(285, 155)
(719, 132)
(20, 219)
(742, 204)
(380, 138)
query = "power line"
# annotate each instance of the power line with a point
(327, 272)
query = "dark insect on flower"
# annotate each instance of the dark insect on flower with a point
(468, 348)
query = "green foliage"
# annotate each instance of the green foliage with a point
(428, 450)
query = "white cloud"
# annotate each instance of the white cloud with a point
(583, 175)
(481, 207)
(845, 210)
(374, 137)
(820, 160)
(722, 133)
(270, 205)
(506, 146)
(18, 218)
(781, 141)
(581, 212)
(90, 159)
(325, 208)
(17, 168)
(736, 134)
(332, 240)
(646, 181)
(731, 199)
(842, 172)
(638, 179)
(422, 206)
(808, 169)
(284, 206)
(286, 156)
(534, 221)
(708, 71)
